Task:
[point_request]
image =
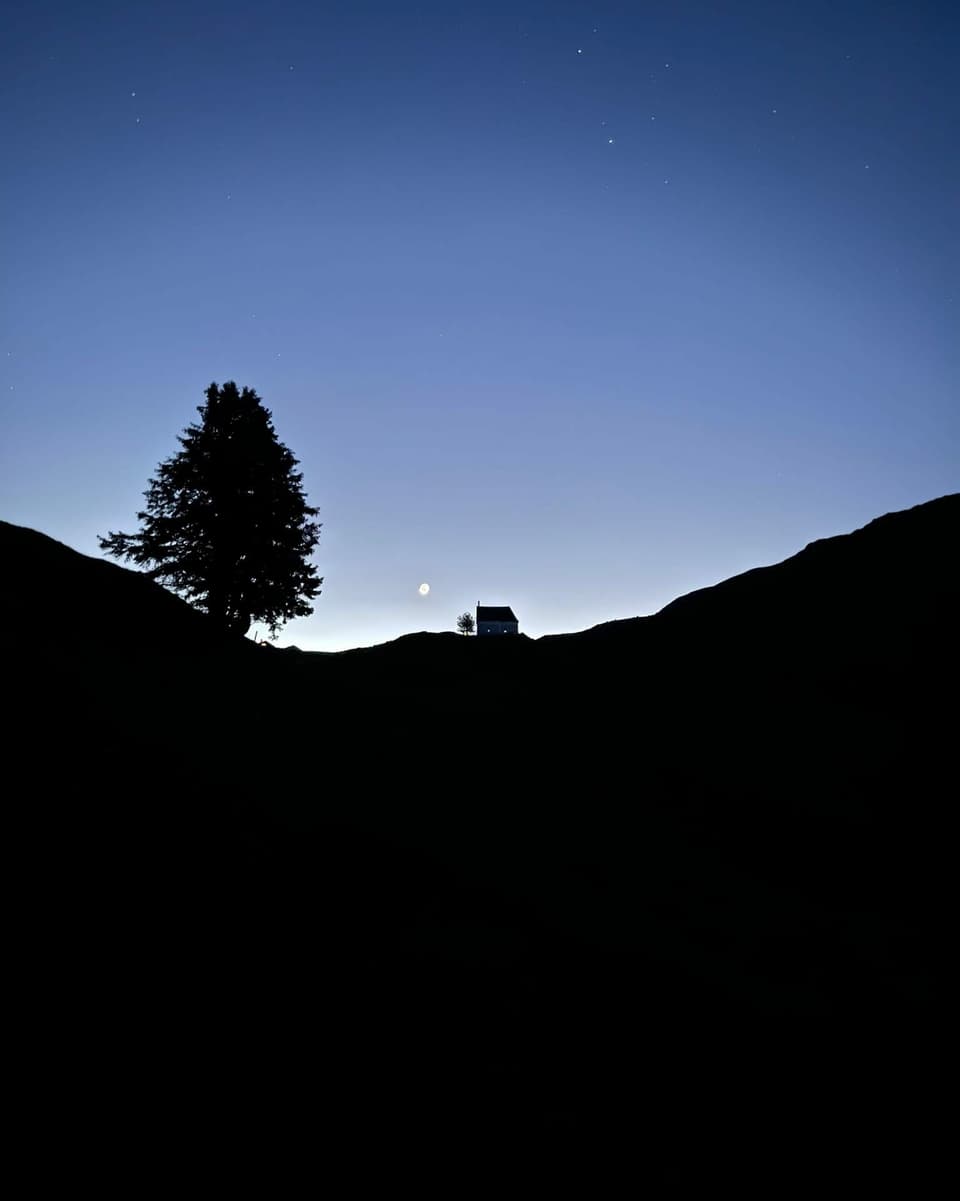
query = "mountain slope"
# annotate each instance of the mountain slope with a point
(73, 599)
(511, 875)
(881, 595)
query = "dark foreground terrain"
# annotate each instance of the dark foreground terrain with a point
(454, 886)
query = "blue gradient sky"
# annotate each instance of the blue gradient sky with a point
(517, 360)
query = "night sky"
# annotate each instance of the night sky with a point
(572, 307)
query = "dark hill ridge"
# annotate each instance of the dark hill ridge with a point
(78, 600)
(515, 872)
(877, 587)
(873, 585)
(878, 593)
(893, 558)
(869, 611)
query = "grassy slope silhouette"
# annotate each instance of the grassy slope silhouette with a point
(736, 807)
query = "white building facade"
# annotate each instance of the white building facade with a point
(496, 619)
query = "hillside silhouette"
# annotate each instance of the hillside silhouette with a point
(74, 600)
(511, 870)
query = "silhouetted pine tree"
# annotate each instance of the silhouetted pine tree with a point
(226, 524)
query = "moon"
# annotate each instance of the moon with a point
(424, 589)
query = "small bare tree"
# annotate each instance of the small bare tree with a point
(465, 623)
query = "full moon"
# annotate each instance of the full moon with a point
(424, 589)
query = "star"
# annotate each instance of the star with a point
(609, 141)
